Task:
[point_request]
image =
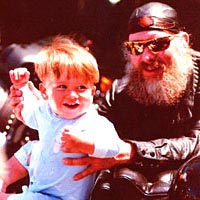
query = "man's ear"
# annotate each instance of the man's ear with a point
(185, 37)
(43, 90)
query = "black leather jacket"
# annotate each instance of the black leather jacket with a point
(164, 137)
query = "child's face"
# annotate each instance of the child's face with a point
(68, 98)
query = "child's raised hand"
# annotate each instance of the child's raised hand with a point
(19, 77)
(76, 143)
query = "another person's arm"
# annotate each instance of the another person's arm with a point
(162, 150)
(96, 164)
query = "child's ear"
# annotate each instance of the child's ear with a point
(43, 90)
(93, 90)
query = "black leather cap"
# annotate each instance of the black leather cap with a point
(153, 16)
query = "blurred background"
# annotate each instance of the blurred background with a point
(100, 25)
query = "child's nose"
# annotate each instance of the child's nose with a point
(72, 94)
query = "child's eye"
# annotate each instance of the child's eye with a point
(62, 86)
(81, 87)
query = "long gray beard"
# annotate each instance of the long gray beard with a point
(165, 91)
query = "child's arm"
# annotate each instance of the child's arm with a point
(5, 196)
(19, 77)
(103, 142)
(17, 165)
(15, 172)
(73, 143)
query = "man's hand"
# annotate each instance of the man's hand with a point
(72, 142)
(16, 102)
(97, 164)
(94, 164)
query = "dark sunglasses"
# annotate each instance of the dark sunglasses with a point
(155, 45)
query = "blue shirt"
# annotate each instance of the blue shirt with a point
(48, 175)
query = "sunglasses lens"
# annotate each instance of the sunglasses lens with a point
(134, 48)
(138, 48)
(156, 45)
(160, 44)
(129, 47)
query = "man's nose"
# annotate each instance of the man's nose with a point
(148, 55)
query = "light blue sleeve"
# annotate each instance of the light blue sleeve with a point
(31, 105)
(23, 153)
(106, 140)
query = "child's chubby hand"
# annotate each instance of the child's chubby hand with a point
(19, 77)
(72, 142)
